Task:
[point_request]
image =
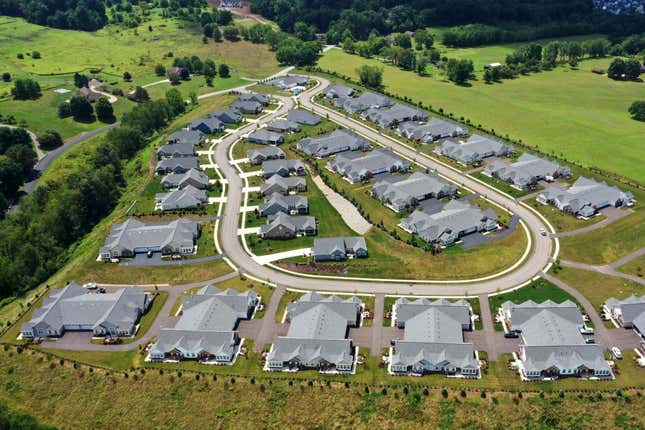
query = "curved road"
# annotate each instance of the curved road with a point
(537, 260)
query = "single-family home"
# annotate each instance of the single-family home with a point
(474, 150)
(390, 116)
(283, 226)
(276, 202)
(303, 117)
(263, 136)
(261, 98)
(192, 177)
(208, 125)
(88, 94)
(259, 155)
(406, 193)
(283, 126)
(247, 106)
(357, 167)
(282, 185)
(339, 248)
(74, 308)
(333, 143)
(228, 116)
(430, 131)
(176, 150)
(188, 197)
(194, 137)
(363, 102)
(283, 168)
(526, 171)
(630, 312)
(288, 82)
(336, 91)
(176, 165)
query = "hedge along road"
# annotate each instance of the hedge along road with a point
(538, 258)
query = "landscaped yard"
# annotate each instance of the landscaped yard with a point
(562, 221)
(598, 287)
(500, 185)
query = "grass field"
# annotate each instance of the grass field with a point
(543, 109)
(598, 287)
(634, 267)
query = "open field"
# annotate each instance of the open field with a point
(603, 136)
(598, 287)
(634, 267)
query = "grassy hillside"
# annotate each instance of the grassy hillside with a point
(575, 113)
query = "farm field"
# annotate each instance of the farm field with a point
(572, 113)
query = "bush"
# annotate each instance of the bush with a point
(6, 77)
(35, 55)
(64, 110)
(49, 140)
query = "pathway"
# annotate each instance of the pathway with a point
(39, 152)
(610, 269)
(377, 324)
(111, 97)
(268, 329)
(265, 259)
(348, 212)
(611, 215)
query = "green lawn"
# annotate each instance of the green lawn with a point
(149, 317)
(598, 287)
(604, 136)
(562, 221)
(500, 185)
(634, 267)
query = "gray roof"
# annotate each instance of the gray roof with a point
(281, 167)
(541, 357)
(439, 354)
(247, 106)
(227, 116)
(359, 166)
(277, 202)
(302, 116)
(263, 135)
(255, 97)
(134, 234)
(546, 323)
(277, 183)
(180, 180)
(339, 91)
(473, 150)
(186, 136)
(293, 224)
(283, 125)
(336, 351)
(290, 81)
(387, 117)
(213, 123)
(416, 187)
(432, 130)
(187, 197)
(527, 170)
(631, 310)
(331, 245)
(177, 164)
(195, 342)
(335, 142)
(265, 153)
(587, 193)
(74, 305)
(177, 150)
(363, 102)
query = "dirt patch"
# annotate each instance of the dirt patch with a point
(313, 267)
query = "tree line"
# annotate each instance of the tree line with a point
(17, 160)
(87, 15)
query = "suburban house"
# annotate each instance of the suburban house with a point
(339, 248)
(398, 113)
(283, 226)
(177, 150)
(405, 193)
(303, 117)
(208, 125)
(279, 184)
(455, 220)
(192, 177)
(336, 91)
(363, 102)
(247, 107)
(288, 82)
(552, 344)
(430, 131)
(630, 313)
(333, 143)
(88, 94)
(261, 98)
(188, 197)
(228, 116)
(263, 136)
(193, 137)
(357, 167)
(206, 330)
(433, 339)
(74, 308)
(283, 126)
(317, 336)
(176, 165)
(474, 150)
(585, 197)
(259, 155)
(134, 237)
(283, 168)
(277, 202)
(526, 171)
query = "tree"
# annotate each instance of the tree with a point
(370, 76)
(6, 77)
(64, 110)
(208, 30)
(140, 95)
(173, 77)
(422, 63)
(175, 101)
(127, 76)
(104, 110)
(25, 89)
(160, 70)
(616, 69)
(36, 55)
(459, 71)
(304, 31)
(49, 140)
(488, 76)
(295, 52)
(81, 108)
(403, 40)
(348, 46)
(210, 69)
(80, 81)
(194, 100)
(550, 53)
(637, 110)
(224, 71)
(407, 60)
(632, 69)
(231, 33)
(217, 34)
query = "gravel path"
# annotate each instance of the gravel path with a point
(347, 211)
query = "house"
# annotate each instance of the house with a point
(339, 248)
(194, 137)
(303, 117)
(259, 155)
(430, 131)
(276, 202)
(134, 237)
(585, 197)
(88, 94)
(492, 65)
(526, 171)
(206, 330)
(398, 113)
(228, 116)
(317, 335)
(188, 197)
(288, 82)
(552, 344)
(472, 151)
(433, 339)
(336, 91)
(247, 106)
(283, 226)
(630, 313)
(356, 167)
(283, 168)
(192, 177)
(177, 150)
(406, 193)
(261, 98)
(279, 184)
(283, 126)
(265, 137)
(363, 102)
(208, 125)
(333, 143)
(457, 219)
(176, 165)
(74, 308)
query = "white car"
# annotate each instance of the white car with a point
(90, 286)
(586, 330)
(542, 231)
(616, 352)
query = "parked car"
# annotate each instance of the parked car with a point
(616, 352)
(112, 340)
(90, 286)
(542, 231)
(586, 330)
(511, 334)
(590, 340)
(176, 257)
(149, 254)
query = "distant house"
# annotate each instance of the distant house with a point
(526, 171)
(194, 137)
(263, 136)
(317, 336)
(288, 82)
(283, 126)
(192, 177)
(176, 165)
(248, 106)
(291, 205)
(457, 219)
(283, 168)
(177, 150)
(74, 308)
(188, 197)
(357, 167)
(134, 237)
(283, 226)
(88, 94)
(408, 192)
(279, 184)
(585, 197)
(339, 248)
(261, 98)
(303, 117)
(259, 155)
(630, 312)
(208, 125)
(434, 129)
(363, 102)
(474, 150)
(492, 65)
(398, 113)
(228, 116)
(336, 91)
(333, 143)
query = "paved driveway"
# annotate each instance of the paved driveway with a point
(476, 239)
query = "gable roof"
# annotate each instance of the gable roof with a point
(282, 125)
(192, 176)
(184, 163)
(587, 192)
(474, 149)
(177, 149)
(185, 136)
(265, 152)
(331, 245)
(282, 184)
(294, 224)
(363, 102)
(414, 187)
(133, 234)
(358, 166)
(302, 116)
(527, 169)
(332, 143)
(264, 135)
(182, 198)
